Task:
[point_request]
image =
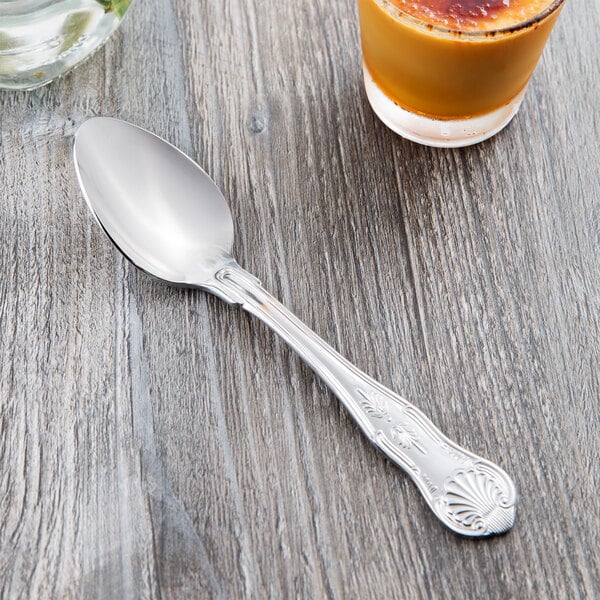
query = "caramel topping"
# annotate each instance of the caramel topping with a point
(473, 15)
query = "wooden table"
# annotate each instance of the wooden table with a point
(157, 443)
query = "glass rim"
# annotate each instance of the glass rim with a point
(10, 8)
(402, 15)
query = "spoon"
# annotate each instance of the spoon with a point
(166, 215)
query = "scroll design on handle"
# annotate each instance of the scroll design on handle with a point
(374, 405)
(404, 435)
(469, 494)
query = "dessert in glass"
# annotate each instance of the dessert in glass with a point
(451, 72)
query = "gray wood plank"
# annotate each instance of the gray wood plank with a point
(156, 443)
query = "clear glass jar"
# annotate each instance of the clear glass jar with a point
(42, 39)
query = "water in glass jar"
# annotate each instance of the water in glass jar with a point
(42, 39)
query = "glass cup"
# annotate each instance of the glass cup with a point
(42, 39)
(447, 88)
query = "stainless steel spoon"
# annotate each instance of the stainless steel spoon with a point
(168, 217)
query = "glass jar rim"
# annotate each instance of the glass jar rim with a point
(17, 7)
(467, 34)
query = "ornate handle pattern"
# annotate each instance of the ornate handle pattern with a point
(469, 494)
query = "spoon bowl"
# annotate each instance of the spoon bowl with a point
(158, 206)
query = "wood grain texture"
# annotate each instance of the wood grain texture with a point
(156, 443)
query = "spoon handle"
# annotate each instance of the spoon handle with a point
(469, 494)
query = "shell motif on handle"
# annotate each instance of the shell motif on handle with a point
(479, 500)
